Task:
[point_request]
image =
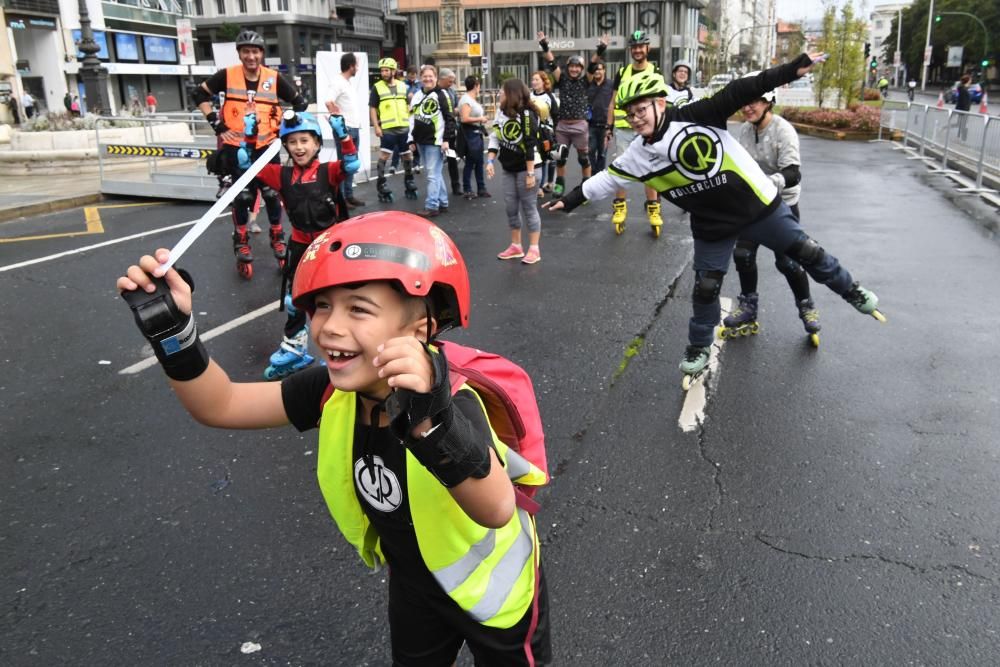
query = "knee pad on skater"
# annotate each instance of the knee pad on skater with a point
(270, 197)
(745, 255)
(560, 154)
(788, 266)
(244, 200)
(707, 285)
(806, 251)
(582, 159)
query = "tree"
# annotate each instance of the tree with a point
(842, 41)
(950, 31)
(229, 31)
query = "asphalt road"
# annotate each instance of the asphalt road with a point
(830, 506)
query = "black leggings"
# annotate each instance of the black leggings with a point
(745, 258)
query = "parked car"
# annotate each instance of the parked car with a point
(975, 93)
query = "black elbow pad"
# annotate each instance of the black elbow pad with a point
(792, 175)
(200, 95)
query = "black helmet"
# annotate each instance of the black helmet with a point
(638, 38)
(249, 38)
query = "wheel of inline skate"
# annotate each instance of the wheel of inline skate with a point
(686, 382)
(878, 316)
(755, 328)
(724, 333)
(619, 228)
(656, 231)
(245, 269)
(814, 340)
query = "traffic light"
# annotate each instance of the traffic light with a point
(937, 18)
(868, 50)
(985, 63)
(874, 63)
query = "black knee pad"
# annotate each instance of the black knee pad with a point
(245, 199)
(788, 266)
(561, 162)
(806, 251)
(270, 197)
(707, 285)
(583, 158)
(745, 255)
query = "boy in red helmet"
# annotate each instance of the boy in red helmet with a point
(413, 475)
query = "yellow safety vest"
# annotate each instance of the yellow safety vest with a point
(627, 72)
(393, 110)
(489, 573)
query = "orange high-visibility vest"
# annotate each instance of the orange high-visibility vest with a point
(265, 102)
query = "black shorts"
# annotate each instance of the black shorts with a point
(430, 630)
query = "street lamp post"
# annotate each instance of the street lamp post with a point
(94, 75)
(986, 37)
(927, 45)
(725, 52)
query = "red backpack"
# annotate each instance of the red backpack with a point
(506, 391)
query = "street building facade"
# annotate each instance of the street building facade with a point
(509, 29)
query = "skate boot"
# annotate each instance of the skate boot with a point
(694, 364)
(384, 193)
(655, 220)
(743, 320)
(864, 301)
(409, 187)
(810, 320)
(278, 245)
(244, 258)
(620, 207)
(291, 356)
(560, 187)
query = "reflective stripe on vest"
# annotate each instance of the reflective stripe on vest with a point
(393, 110)
(627, 72)
(265, 101)
(489, 573)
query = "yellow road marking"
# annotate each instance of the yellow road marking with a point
(92, 215)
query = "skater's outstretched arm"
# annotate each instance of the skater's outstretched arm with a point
(205, 390)
(716, 109)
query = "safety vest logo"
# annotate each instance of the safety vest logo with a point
(384, 492)
(429, 106)
(697, 152)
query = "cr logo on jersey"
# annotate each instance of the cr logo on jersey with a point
(429, 106)
(511, 131)
(383, 493)
(697, 152)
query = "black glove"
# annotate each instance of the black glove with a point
(172, 334)
(601, 48)
(450, 449)
(216, 123)
(544, 43)
(573, 198)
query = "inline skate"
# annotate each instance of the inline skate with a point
(291, 356)
(694, 364)
(864, 301)
(384, 193)
(655, 219)
(241, 248)
(743, 320)
(278, 245)
(810, 320)
(409, 186)
(620, 208)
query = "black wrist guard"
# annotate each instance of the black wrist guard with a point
(573, 198)
(451, 450)
(172, 334)
(601, 48)
(216, 123)
(407, 408)
(544, 43)
(551, 65)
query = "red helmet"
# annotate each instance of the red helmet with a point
(388, 245)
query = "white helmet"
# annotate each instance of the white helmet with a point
(769, 95)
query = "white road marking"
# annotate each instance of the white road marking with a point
(696, 400)
(209, 335)
(49, 258)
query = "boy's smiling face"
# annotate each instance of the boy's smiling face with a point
(349, 324)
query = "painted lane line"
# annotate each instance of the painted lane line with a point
(49, 258)
(696, 401)
(208, 335)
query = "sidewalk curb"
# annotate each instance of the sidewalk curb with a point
(51, 206)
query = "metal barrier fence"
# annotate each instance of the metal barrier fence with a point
(963, 139)
(166, 159)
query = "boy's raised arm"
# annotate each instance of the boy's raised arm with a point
(162, 309)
